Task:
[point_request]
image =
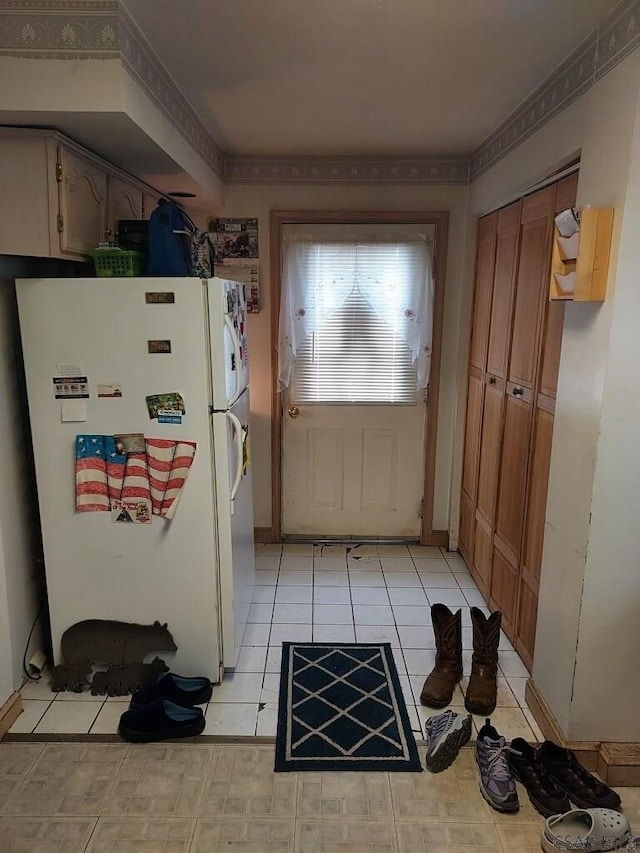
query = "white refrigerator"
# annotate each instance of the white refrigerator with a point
(165, 359)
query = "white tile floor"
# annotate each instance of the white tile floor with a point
(331, 593)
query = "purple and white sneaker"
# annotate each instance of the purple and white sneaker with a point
(497, 784)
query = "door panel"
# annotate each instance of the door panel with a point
(504, 585)
(325, 469)
(482, 555)
(526, 635)
(551, 350)
(534, 530)
(566, 192)
(125, 202)
(472, 434)
(502, 300)
(485, 259)
(353, 470)
(379, 469)
(531, 288)
(466, 527)
(83, 203)
(490, 452)
(513, 475)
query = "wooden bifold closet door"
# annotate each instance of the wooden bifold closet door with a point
(513, 367)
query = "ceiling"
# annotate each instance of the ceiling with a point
(336, 77)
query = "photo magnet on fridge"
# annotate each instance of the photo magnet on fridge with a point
(170, 401)
(129, 442)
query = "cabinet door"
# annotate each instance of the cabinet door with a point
(485, 261)
(125, 202)
(83, 203)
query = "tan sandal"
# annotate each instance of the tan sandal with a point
(586, 829)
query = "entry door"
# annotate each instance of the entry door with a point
(353, 469)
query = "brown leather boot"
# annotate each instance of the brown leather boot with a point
(439, 686)
(482, 688)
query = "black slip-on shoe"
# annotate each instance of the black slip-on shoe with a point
(545, 795)
(175, 688)
(160, 720)
(582, 788)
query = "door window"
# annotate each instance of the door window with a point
(355, 322)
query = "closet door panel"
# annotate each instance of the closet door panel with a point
(489, 463)
(531, 288)
(513, 474)
(526, 632)
(566, 192)
(482, 544)
(465, 535)
(551, 350)
(534, 529)
(504, 584)
(472, 434)
(485, 260)
(502, 299)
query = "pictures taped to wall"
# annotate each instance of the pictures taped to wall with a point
(235, 241)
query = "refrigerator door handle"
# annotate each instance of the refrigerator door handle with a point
(235, 420)
(236, 355)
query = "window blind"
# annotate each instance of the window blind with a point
(356, 354)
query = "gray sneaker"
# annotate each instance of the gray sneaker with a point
(497, 784)
(445, 734)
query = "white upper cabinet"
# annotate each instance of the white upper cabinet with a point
(59, 200)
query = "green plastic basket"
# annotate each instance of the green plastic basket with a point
(118, 262)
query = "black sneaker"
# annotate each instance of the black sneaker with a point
(445, 733)
(582, 788)
(545, 795)
(497, 785)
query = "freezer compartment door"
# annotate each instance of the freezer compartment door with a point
(231, 432)
(228, 331)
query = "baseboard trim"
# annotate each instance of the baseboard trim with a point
(10, 712)
(439, 538)
(617, 764)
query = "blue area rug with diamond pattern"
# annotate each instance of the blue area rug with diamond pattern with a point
(341, 708)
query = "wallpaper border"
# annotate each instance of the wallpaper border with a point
(103, 29)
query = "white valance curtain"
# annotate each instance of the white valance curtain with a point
(396, 279)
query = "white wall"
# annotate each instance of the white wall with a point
(20, 577)
(600, 124)
(609, 637)
(258, 201)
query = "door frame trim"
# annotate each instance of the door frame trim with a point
(440, 221)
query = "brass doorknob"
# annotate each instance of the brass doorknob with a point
(294, 411)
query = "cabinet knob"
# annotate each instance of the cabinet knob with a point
(492, 380)
(518, 392)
